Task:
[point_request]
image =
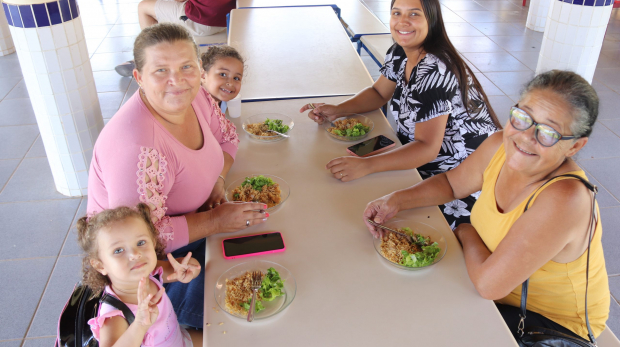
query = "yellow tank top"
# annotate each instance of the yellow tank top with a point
(556, 291)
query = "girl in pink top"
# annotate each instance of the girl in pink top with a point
(121, 247)
(171, 147)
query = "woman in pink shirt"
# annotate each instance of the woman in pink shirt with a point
(171, 147)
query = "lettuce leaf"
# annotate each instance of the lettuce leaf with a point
(424, 258)
(272, 285)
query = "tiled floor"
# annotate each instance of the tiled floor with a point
(39, 262)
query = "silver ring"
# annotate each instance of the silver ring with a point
(247, 223)
(341, 176)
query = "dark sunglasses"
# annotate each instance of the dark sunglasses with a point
(545, 135)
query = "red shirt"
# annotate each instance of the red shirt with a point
(209, 12)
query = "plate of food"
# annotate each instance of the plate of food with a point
(233, 291)
(349, 127)
(259, 126)
(268, 189)
(428, 248)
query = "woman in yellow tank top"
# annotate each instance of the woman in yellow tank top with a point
(505, 246)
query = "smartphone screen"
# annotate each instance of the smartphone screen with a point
(253, 244)
(375, 144)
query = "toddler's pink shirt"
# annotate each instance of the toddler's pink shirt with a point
(122, 174)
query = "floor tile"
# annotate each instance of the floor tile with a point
(606, 172)
(110, 81)
(133, 87)
(450, 17)
(610, 77)
(519, 16)
(613, 322)
(461, 29)
(10, 66)
(609, 105)
(16, 140)
(127, 18)
(529, 59)
(500, 29)
(107, 61)
(459, 6)
(488, 86)
(7, 167)
(32, 181)
(518, 43)
(614, 286)
(20, 91)
(23, 282)
(478, 16)
(71, 246)
(110, 102)
(12, 343)
(116, 44)
(92, 45)
(600, 87)
(128, 29)
(37, 150)
(102, 19)
(47, 222)
(610, 217)
(475, 44)
(64, 277)
(604, 198)
(40, 342)
(510, 83)
(603, 143)
(7, 84)
(16, 112)
(501, 105)
(607, 61)
(96, 32)
(496, 61)
(499, 5)
(371, 66)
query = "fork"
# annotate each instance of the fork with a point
(321, 115)
(409, 238)
(283, 135)
(256, 282)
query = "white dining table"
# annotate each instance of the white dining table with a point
(357, 18)
(377, 46)
(347, 294)
(289, 56)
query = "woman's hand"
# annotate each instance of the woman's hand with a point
(321, 112)
(216, 198)
(380, 211)
(233, 216)
(349, 168)
(185, 271)
(147, 305)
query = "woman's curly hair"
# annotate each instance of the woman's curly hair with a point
(88, 229)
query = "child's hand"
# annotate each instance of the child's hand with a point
(147, 305)
(185, 271)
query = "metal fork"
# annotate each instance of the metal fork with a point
(256, 282)
(283, 135)
(409, 238)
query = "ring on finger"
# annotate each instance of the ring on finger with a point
(247, 223)
(341, 175)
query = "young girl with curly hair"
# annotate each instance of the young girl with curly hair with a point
(122, 248)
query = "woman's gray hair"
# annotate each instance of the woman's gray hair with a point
(159, 33)
(575, 90)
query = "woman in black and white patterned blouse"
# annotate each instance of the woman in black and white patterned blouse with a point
(442, 113)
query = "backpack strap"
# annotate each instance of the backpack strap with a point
(591, 227)
(119, 305)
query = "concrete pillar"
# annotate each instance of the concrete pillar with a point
(49, 39)
(6, 42)
(574, 35)
(537, 15)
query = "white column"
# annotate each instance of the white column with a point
(574, 35)
(537, 14)
(49, 39)
(6, 42)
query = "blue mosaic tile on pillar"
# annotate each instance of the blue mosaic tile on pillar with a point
(40, 14)
(54, 13)
(27, 17)
(7, 14)
(17, 21)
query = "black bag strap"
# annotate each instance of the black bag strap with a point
(119, 305)
(591, 228)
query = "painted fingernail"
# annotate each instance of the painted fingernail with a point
(265, 206)
(266, 214)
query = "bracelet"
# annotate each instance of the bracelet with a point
(223, 179)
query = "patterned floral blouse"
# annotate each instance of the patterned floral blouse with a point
(433, 91)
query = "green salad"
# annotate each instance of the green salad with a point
(276, 125)
(426, 256)
(357, 130)
(257, 183)
(271, 287)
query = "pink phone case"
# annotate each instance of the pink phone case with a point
(373, 152)
(251, 254)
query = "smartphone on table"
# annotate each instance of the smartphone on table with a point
(371, 146)
(246, 246)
